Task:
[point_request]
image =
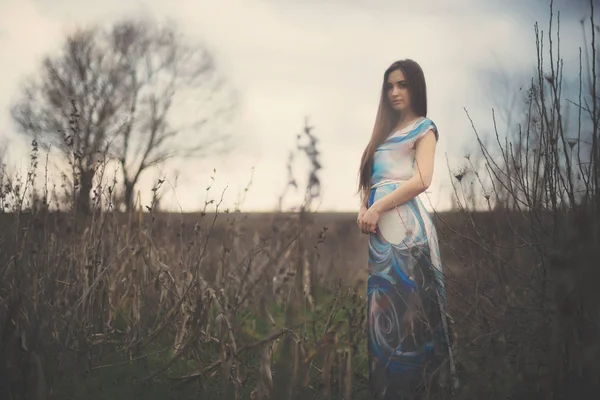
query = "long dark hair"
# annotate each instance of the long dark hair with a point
(387, 117)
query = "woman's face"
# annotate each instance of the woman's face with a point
(397, 91)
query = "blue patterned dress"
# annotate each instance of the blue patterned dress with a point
(407, 330)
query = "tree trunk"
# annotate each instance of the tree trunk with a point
(128, 199)
(83, 203)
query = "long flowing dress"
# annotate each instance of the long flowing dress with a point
(407, 331)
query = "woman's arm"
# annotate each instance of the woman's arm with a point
(364, 200)
(424, 157)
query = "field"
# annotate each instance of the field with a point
(238, 305)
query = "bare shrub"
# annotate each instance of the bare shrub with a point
(525, 300)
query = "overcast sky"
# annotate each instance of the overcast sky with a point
(322, 59)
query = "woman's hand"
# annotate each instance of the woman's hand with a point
(361, 213)
(368, 222)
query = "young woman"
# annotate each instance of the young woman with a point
(407, 332)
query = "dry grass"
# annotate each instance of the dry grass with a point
(197, 298)
(176, 304)
(224, 304)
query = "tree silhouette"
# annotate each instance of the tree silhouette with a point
(137, 94)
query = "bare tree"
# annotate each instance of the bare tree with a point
(118, 94)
